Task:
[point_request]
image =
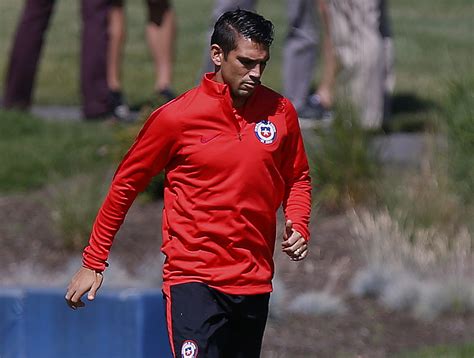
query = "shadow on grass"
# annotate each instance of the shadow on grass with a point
(410, 113)
(410, 103)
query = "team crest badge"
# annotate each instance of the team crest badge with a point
(265, 132)
(189, 349)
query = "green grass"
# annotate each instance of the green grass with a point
(32, 150)
(463, 351)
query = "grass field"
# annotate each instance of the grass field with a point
(34, 153)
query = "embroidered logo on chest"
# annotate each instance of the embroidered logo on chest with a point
(265, 131)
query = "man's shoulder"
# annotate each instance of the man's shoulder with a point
(176, 109)
(270, 96)
(267, 91)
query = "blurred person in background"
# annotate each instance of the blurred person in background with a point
(360, 48)
(26, 52)
(319, 104)
(299, 53)
(233, 154)
(160, 34)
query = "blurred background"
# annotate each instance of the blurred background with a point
(391, 268)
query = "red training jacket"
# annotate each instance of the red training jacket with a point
(227, 172)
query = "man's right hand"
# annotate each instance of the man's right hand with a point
(84, 280)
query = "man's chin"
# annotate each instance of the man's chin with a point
(247, 92)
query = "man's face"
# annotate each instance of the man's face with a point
(242, 69)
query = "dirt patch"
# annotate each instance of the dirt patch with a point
(28, 239)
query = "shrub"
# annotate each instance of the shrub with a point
(344, 167)
(420, 270)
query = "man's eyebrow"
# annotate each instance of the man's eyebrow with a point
(249, 59)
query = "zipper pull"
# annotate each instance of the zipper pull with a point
(240, 136)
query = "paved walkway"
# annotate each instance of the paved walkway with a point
(60, 113)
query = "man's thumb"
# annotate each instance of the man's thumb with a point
(289, 227)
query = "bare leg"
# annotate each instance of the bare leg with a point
(325, 90)
(161, 44)
(115, 48)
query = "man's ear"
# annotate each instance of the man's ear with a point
(217, 55)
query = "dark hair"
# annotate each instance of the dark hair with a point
(247, 24)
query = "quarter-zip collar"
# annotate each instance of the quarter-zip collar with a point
(221, 90)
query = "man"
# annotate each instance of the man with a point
(26, 52)
(232, 153)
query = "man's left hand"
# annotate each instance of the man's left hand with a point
(294, 244)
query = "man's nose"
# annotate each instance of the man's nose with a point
(256, 71)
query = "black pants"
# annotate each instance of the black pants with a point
(26, 52)
(203, 322)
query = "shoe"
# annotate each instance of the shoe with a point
(119, 108)
(314, 109)
(166, 94)
(314, 113)
(159, 98)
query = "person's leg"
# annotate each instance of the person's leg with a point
(248, 325)
(197, 320)
(25, 53)
(161, 35)
(220, 7)
(358, 44)
(326, 87)
(368, 80)
(116, 32)
(94, 88)
(299, 54)
(319, 104)
(389, 72)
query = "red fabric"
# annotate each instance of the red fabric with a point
(223, 187)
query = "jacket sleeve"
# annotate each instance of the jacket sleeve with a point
(153, 148)
(297, 198)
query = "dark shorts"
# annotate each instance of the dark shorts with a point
(203, 322)
(156, 9)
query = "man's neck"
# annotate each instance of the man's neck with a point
(237, 102)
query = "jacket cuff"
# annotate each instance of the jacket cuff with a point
(92, 262)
